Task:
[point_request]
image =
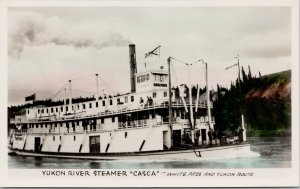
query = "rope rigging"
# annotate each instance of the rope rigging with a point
(64, 88)
(85, 76)
(53, 96)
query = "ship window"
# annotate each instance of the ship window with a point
(83, 106)
(142, 78)
(73, 124)
(56, 109)
(113, 119)
(103, 103)
(74, 138)
(78, 107)
(102, 120)
(165, 94)
(90, 105)
(154, 95)
(42, 111)
(51, 110)
(132, 98)
(67, 108)
(55, 124)
(38, 111)
(72, 107)
(160, 78)
(53, 138)
(110, 102)
(126, 99)
(96, 104)
(125, 134)
(61, 109)
(77, 123)
(47, 110)
(160, 85)
(59, 137)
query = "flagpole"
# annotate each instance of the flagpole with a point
(238, 64)
(242, 124)
(241, 107)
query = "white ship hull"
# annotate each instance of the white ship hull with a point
(216, 152)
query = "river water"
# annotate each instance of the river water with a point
(275, 152)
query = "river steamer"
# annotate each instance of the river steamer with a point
(135, 125)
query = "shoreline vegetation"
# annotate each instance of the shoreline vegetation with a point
(265, 102)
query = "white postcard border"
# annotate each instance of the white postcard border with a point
(262, 177)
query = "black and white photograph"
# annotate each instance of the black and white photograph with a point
(187, 93)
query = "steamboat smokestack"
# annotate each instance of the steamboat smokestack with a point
(133, 69)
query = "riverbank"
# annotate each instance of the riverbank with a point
(279, 132)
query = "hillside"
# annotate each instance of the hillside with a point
(274, 87)
(264, 101)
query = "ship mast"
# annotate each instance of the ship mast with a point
(97, 87)
(65, 97)
(191, 104)
(170, 101)
(207, 97)
(70, 94)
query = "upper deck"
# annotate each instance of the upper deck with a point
(91, 110)
(151, 93)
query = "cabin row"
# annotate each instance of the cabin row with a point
(130, 101)
(116, 121)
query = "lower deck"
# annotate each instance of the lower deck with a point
(136, 139)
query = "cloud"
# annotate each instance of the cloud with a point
(266, 45)
(26, 29)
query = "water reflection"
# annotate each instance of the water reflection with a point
(275, 152)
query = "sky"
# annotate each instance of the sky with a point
(48, 46)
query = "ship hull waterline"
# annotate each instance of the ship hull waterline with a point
(215, 152)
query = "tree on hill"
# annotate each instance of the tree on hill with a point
(265, 116)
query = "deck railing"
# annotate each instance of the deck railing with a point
(80, 115)
(65, 132)
(134, 124)
(121, 125)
